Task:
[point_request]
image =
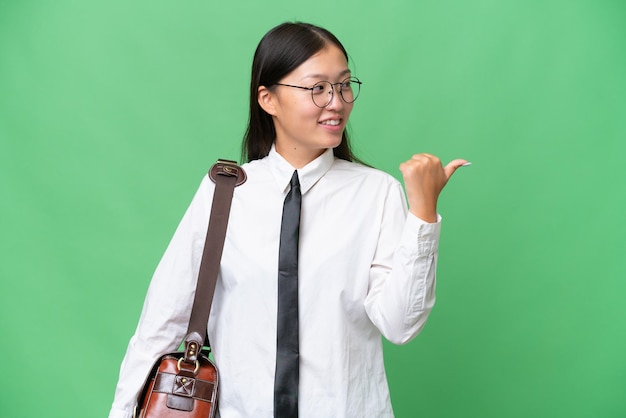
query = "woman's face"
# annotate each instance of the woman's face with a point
(303, 130)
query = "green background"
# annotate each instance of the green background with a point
(112, 111)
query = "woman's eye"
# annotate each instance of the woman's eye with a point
(318, 89)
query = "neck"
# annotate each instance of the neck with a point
(298, 158)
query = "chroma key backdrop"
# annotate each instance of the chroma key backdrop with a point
(112, 111)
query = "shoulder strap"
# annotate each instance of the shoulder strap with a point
(226, 175)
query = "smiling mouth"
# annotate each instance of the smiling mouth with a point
(331, 122)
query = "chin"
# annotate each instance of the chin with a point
(333, 142)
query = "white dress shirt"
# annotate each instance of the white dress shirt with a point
(366, 269)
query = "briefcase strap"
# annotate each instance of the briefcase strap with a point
(226, 175)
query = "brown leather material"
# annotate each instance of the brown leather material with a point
(179, 402)
(225, 184)
(185, 384)
(228, 168)
(166, 385)
(193, 346)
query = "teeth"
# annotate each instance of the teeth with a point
(332, 122)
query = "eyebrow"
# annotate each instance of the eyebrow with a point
(344, 72)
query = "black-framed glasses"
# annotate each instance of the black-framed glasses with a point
(322, 92)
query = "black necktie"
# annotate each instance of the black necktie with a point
(287, 351)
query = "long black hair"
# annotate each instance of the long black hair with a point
(280, 52)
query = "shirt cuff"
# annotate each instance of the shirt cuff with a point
(424, 234)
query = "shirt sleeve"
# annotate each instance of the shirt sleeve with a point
(167, 306)
(403, 274)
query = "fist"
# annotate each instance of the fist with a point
(424, 178)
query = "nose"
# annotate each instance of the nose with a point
(336, 102)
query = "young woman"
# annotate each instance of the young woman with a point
(366, 265)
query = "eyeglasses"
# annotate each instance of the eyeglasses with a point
(322, 92)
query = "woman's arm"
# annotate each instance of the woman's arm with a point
(167, 307)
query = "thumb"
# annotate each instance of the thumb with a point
(452, 167)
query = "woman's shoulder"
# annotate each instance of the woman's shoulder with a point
(257, 171)
(343, 167)
(255, 165)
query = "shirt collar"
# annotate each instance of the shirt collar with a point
(308, 175)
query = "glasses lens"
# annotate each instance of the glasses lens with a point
(322, 93)
(350, 89)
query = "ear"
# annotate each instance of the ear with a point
(266, 100)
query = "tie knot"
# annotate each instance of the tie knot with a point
(295, 182)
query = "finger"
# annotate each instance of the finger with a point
(452, 166)
(423, 156)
